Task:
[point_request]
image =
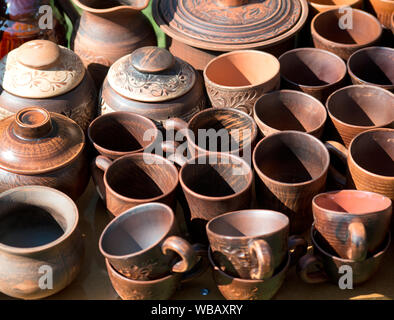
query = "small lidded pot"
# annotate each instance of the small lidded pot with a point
(153, 83)
(42, 148)
(42, 73)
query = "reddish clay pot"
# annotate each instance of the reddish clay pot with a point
(317, 6)
(383, 10)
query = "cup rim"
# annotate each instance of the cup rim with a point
(288, 184)
(321, 5)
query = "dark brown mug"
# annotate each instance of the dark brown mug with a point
(292, 168)
(252, 244)
(143, 243)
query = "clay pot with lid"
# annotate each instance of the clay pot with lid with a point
(153, 83)
(42, 148)
(41, 73)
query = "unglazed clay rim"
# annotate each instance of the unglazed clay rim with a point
(346, 45)
(323, 52)
(245, 212)
(319, 103)
(260, 173)
(350, 191)
(357, 86)
(218, 156)
(108, 10)
(66, 234)
(238, 88)
(174, 34)
(130, 212)
(384, 86)
(319, 6)
(214, 110)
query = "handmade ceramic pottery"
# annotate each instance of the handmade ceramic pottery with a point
(314, 71)
(317, 6)
(200, 31)
(289, 110)
(41, 73)
(135, 179)
(38, 234)
(292, 168)
(245, 289)
(107, 31)
(383, 10)
(142, 243)
(373, 66)
(237, 79)
(355, 109)
(153, 83)
(327, 32)
(213, 184)
(42, 148)
(324, 265)
(354, 223)
(251, 244)
(369, 161)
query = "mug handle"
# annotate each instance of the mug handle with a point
(358, 246)
(201, 266)
(99, 165)
(175, 156)
(184, 250)
(339, 150)
(298, 247)
(311, 270)
(262, 251)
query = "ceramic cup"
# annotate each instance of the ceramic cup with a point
(330, 32)
(328, 265)
(317, 6)
(354, 223)
(252, 244)
(369, 162)
(289, 110)
(136, 179)
(358, 108)
(314, 71)
(292, 168)
(237, 79)
(373, 66)
(142, 243)
(245, 289)
(383, 9)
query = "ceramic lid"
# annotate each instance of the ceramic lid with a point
(35, 141)
(226, 23)
(151, 74)
(40, 69)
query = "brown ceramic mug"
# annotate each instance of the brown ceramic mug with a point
(354, 223)
(142, 243)
(252, 244)
(292, 168)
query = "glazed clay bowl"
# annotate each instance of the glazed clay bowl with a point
(39, 234)
(329, 265)
(314, 71)
(317, 6)
(373, 66)
(355, 109)
(327, 33)
(237, 79)
(289, 110)
(245, 289)
(354, 223)
(383, 10)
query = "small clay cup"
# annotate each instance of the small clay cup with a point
(354, 223)
(289, 110)
(327, 32)
(237, 79)
(314, 71)
(373, 66)
(358, 108)
(252, 244)
(245, 289)
(383, 10)
(135, 179)
(328, 265)
(292, 168)
(317, 6)
(142, 243)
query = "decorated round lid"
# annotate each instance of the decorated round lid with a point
(35, 141)
(151, 74)
(225, 23)
(40, 69)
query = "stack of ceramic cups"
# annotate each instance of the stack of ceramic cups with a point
(351, 228)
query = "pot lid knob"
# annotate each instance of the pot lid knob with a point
(152, 59)
(38, 54)
(32, 123)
